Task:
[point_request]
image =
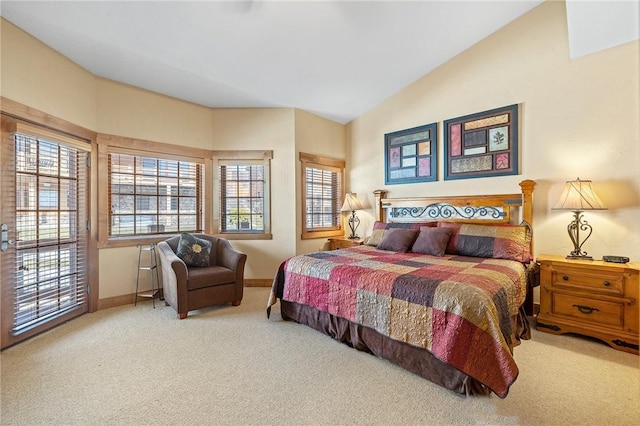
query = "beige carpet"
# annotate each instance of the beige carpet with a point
(136, 365)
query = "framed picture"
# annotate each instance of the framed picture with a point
(482, 144)
(410, 155)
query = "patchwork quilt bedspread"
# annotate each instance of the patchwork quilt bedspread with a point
(458, 308)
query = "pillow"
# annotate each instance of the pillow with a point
(380, 228)
(492, 241)
(376, 237)
(432, 241)
(398, 239)
(194, 251)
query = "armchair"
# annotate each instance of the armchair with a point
(187, 288)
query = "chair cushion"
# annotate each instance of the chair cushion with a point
(193, 251)
(209, 276)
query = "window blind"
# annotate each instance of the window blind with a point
(242, 196)
(323, 198)
(50, 220)
(151, 195)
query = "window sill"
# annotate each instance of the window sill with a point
(321, 234)
(133, 240)
(244, 236)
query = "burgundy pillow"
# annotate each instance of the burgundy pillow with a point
(432, 241)
(379, 229)
(398, 239)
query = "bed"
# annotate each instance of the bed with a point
(442, 287)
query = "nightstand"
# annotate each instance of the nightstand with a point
(343, 242)
(590, 297)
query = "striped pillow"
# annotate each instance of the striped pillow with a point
(491, 241)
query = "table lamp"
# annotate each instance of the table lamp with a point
(351, 203)
(578, 196)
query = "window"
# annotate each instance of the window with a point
(242, 190)
(148, 191)
(322, 196)
(149, 195)
(243, 194)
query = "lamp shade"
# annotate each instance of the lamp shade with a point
(351, 202)
(578, 195)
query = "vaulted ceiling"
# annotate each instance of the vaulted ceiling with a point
(336, 59)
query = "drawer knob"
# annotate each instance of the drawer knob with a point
(586, 309)
(606, 283)
(565, 277)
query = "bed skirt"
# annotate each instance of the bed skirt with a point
(417, 360)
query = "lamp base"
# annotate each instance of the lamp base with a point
(585, 257)
(354, 221)
(578, 224)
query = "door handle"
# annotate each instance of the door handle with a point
(5, 238)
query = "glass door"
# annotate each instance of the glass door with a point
(44, 262)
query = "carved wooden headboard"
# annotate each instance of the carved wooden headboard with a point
(496, 208)
(484, 209)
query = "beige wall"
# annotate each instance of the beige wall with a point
(318, 136)
(136, 113)
(38, 76)
(579, 118)
(265, 129)
(287, 132)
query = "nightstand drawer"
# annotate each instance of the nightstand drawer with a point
(588, 310)
(592, 280)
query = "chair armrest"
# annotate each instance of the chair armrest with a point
(177, 265)
(229, 257)
(174, 278)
